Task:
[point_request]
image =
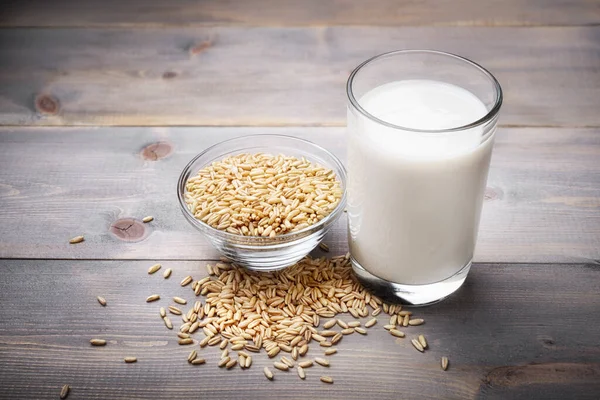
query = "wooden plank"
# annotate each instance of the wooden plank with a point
(56, 183)
(273, 76)
(144, 13)
(513, 331)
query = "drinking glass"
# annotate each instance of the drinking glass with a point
(421, 127)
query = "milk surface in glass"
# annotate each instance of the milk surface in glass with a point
(414, 198)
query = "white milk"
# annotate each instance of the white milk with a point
(414, 199)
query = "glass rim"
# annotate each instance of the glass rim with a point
(486, 118)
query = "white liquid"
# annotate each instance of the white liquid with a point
(414, 199)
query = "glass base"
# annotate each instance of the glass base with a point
(416, 295)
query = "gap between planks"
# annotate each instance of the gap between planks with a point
(589, 262)
(265, 125)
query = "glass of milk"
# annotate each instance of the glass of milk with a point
(421, 127)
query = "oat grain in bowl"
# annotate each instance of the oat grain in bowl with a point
(263, 201)
(262, 194)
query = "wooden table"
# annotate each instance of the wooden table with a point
(102, 103)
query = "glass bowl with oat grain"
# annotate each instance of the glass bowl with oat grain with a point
(263, 201)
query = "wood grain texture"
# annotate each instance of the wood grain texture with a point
(512, 331)
(56, 183)
(273, 76)
(144, 13)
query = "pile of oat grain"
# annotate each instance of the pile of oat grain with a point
(245, 312)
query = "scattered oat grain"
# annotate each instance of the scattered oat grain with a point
(179, 300)
(324, 247)
(342, 324)
(186, 281)
(152, 298)
(174, 310)
(445, 363)
(336, 338)
(405, 321)
(76, 239)
(281, 366)
(64, 392)
(422, 341)
(329, 324)
(371, 322)
(268, 373)
(287, 361)
(301, 373)
(417, 345)
(223, 362)
(154, 268)
(322, 361)
(397, 333)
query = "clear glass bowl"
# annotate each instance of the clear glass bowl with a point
(257, 252)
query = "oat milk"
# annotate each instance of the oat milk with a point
(414, 199)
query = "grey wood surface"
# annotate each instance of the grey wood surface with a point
(158, 13)
(55, 183)
(265, 76)
(100, 103)
(509, 333)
